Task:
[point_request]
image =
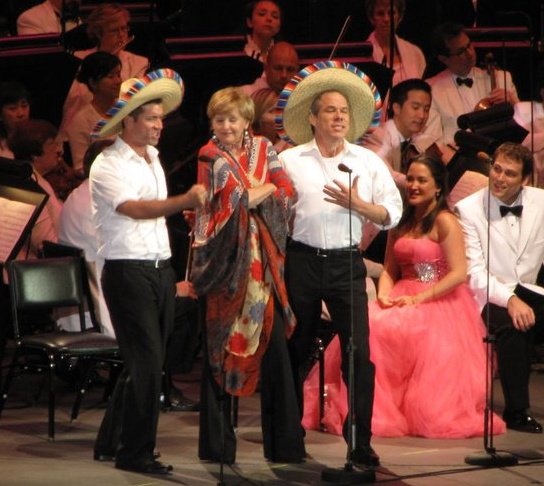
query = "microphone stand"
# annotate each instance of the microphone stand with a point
(490, 457)
(348, 474)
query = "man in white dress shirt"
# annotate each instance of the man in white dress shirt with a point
(322, 252)
(504, 235)
(462, 86)
(410, 102)
(46, 18)
(129, 200)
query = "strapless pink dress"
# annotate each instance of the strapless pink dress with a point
(429, 358)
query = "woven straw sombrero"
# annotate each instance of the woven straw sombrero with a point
(293, 107)
(163, 84)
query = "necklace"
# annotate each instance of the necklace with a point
(249, 149)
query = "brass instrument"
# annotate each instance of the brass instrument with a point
(490, 67)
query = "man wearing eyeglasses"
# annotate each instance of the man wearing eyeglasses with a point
(462, 87)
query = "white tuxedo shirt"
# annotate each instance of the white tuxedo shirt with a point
(510, 262)
(41, 19)
(451, 100)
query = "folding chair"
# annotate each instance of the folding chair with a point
(42, 284)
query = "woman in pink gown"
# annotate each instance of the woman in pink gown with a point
(426, 334)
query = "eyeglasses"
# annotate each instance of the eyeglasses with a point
(461, 51)
(118, 30)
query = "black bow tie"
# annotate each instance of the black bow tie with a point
(468, 82)
(515, 210)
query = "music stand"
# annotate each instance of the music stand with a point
(19, 210)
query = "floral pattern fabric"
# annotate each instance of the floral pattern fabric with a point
(238, 259)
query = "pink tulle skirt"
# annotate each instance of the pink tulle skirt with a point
(430, 370)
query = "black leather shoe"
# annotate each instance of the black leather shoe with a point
(522, 422)
(365, 457)
(183, 404)
(152, 467)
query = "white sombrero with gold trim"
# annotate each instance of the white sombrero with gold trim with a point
(293, 107)
(163, 84)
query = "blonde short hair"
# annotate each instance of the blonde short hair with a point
(229, 99)
(101, 16)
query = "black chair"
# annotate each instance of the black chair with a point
(51, 249)
(43, 284)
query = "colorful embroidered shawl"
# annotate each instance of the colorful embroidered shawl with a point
(238, 260)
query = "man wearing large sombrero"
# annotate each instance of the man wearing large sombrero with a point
(129, 199)
(323, 109)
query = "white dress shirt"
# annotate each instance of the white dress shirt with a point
(119, 175)
(385, 141)
(259, 83)
(412, 61)
(79, 131)
(322, 224)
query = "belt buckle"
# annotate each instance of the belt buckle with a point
(321, 253)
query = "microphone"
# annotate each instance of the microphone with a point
(344, 168)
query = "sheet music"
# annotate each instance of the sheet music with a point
(14, 216)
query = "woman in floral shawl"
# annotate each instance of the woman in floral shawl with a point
(238, 260)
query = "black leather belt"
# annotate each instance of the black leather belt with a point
(143, 263)
(321, 252)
